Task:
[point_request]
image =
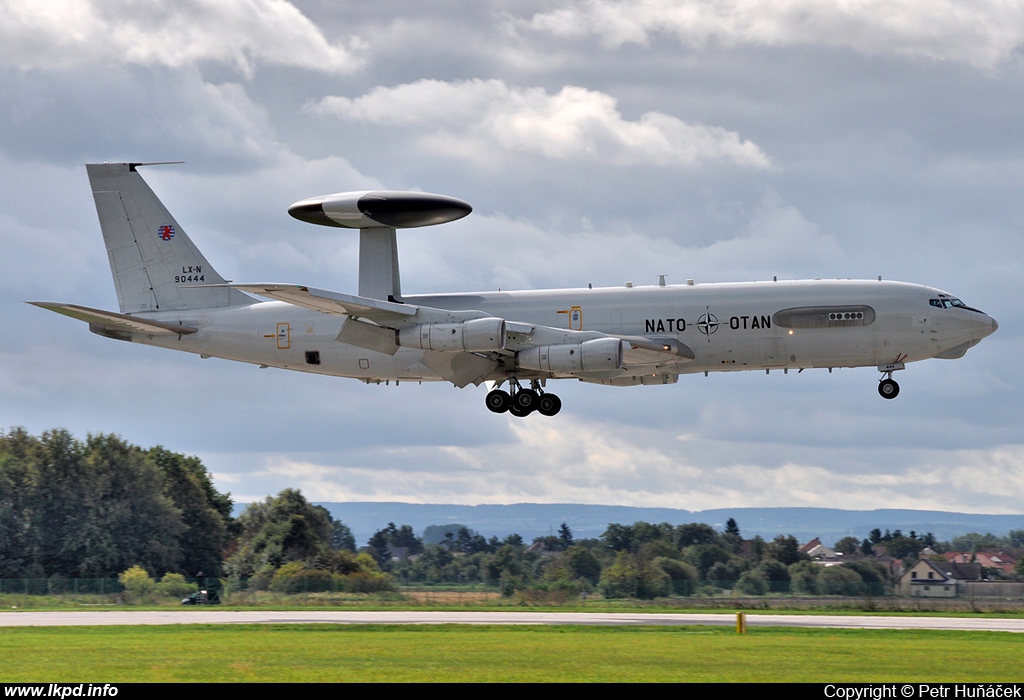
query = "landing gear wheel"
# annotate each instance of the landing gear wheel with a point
(518, 411)
(549, 405)
(888, 389)
(527, 399)
(498, 401)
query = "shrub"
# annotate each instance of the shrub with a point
(137, 584)
(295, 578)
(751, 583)
(175, 586)
(367, 583)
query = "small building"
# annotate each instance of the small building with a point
(996, 559)
(820, 553)
(937, 579)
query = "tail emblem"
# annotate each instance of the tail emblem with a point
(166, 232)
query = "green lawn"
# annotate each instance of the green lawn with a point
(328, 653)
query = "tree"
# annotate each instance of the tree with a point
(469, 541)
(731, 537)
(620, 537)
(279, 530)
(205, 513)
(803, 578)
(731, 528)
(847, 545)
(725, 574)
(775, 574)
(383, 542)
(840, 580)
(902, 547)
(565, 535)
(694, 533)
(684, 577)
(751, 583)
(583, 564)
(633, 576)
(15, 511)
(100, 508)
(341, 536)
(785, 549)
(92, 508)
(705, 556)
(975, 541)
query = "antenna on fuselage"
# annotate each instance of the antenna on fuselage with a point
(378, 214)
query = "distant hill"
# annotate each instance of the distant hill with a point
(539, 519)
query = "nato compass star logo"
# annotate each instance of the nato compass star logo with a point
(707, 324)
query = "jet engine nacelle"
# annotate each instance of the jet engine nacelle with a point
(476, 335)
(599, 355)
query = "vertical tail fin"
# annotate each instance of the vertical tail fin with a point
(153, 261)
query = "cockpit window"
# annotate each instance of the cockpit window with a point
(946, 303)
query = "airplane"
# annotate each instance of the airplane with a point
(170, 296)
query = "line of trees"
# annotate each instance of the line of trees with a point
(93, 508)
(97, 507)
(642, 560)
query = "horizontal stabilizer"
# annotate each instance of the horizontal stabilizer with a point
(108, 320)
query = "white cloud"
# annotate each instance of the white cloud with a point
(584, 461)
(474, 255)
(979, 33)
(486, 121)
(242, 33)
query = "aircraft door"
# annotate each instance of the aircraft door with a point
(574, 317)
(284, 336)
(772, 352)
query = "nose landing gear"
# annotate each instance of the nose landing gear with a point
(522, 402)
(888, 388)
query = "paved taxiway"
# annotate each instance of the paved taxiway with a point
(353, 617)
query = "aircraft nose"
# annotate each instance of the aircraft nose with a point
(984, 326)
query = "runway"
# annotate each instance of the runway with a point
(355, 617)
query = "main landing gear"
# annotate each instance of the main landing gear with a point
(522, 402)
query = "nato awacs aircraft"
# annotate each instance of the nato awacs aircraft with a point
(171, 297)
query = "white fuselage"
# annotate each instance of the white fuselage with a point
(731, 326)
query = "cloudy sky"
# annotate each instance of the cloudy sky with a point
(598, 142)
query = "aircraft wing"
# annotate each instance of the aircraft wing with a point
(118, 323)
(374, 324)
(329, 302)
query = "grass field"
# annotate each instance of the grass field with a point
(330, 653)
